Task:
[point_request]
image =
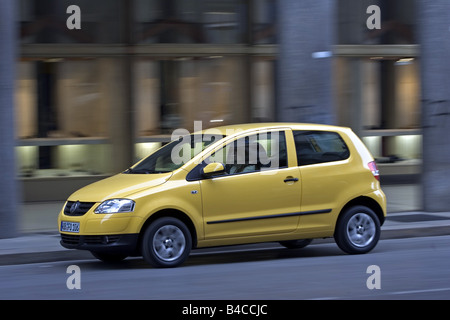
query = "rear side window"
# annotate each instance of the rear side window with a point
(319, 147)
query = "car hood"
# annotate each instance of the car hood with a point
(119, 186)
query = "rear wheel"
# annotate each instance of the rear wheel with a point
(357, 230)
(166, 243)
(296, 244)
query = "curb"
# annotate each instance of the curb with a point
(43, 257)
(415, 232)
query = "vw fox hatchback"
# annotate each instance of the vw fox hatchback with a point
(238, 184)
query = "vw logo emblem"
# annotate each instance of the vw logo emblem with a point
(74, 207)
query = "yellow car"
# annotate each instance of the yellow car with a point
(283, 182)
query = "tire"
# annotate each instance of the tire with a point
(109, 257)
(166, 243)
(296, 244)
(357, 230)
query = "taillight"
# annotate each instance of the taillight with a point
(373, 167)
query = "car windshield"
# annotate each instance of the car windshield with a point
(174, 154)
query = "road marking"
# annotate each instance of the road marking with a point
(381, 293)
(419, 291)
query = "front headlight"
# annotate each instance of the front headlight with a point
(115, 206)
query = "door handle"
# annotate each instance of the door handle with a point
(291, 180)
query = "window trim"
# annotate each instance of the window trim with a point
(339, 136)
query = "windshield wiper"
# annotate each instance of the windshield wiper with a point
(131, 170)
(142, 171)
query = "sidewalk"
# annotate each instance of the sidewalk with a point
(39, 239)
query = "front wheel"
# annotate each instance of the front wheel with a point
(166, 243)
(357, 230)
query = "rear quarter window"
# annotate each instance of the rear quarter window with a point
(315, 147)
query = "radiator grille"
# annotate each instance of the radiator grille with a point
(77, 208)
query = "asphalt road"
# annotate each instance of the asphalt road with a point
(414, 268)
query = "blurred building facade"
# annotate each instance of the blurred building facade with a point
(91, 101)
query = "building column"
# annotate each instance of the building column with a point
(304, 74)
(434, 29)
(8, 184)
(116, 86)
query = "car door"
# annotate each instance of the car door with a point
(257, 194)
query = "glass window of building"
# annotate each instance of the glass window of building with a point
(263, 89)
(63, 98)
(397, 25)
(63, 117)
(264, 21)
(44, 21)
(173, 93)
(380, 97)
(190, 21)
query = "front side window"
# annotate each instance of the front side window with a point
(258, 152)
(319, 147)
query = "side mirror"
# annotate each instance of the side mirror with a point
(213, 169)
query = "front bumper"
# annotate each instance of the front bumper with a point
(117, 243)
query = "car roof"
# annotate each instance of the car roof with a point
(247, 127)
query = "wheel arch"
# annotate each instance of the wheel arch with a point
(367, 202)
(174, 213)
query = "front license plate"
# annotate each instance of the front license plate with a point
(70, 226)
